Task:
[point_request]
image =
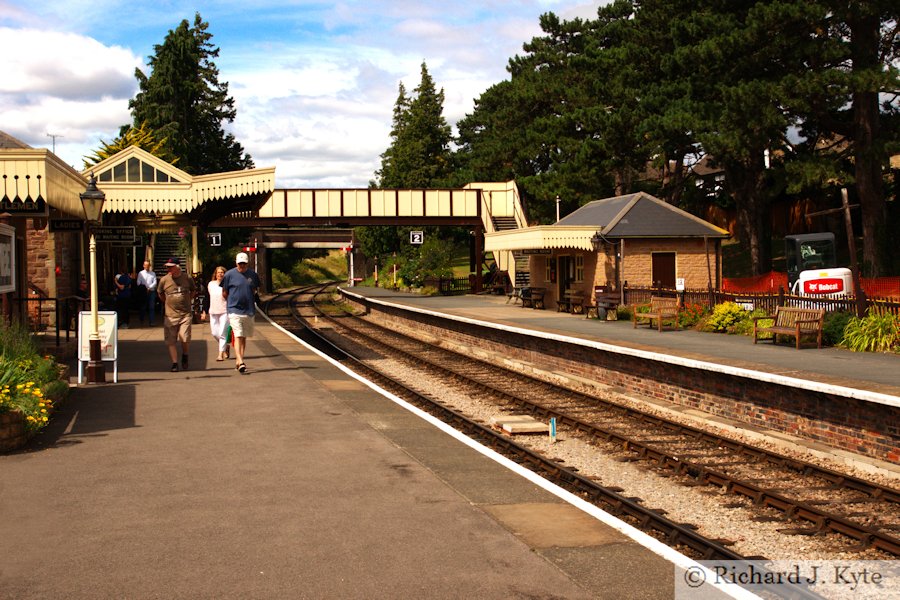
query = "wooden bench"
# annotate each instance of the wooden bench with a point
(792, 321)
(571, 302)
(659, 309)
(533, 297)
(607, 301)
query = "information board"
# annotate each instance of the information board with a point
(108, 330)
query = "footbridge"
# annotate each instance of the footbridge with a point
(324, 218)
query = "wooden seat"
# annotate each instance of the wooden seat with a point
(660, 309)
(792, 321)
(533, 297)
(572, 302)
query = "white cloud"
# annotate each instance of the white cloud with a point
(314, 84)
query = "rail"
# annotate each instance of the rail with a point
(43, 314)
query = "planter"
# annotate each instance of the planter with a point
(12, 431)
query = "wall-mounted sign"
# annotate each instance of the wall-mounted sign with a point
(57, 225)
(7, 259)
(530, 251)
(416, 237)
(115, 234)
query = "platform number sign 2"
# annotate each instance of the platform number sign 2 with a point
(416, 237)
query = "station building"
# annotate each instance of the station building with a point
(44, 238)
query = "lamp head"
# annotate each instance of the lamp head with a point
(92, 198)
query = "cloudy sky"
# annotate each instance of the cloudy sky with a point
(314, 82)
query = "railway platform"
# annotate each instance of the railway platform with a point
(294, 480)
(873, 372)
(857, 383)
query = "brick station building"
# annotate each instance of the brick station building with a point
(635, 238)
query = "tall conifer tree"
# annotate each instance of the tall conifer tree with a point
(183, 100)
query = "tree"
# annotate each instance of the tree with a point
(143, 137)
(847, 103)
(184, 102)
(419, 154)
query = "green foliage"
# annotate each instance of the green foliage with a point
(183, 102)
(745, 326)
(419, 154)
(281, 280)
(833, 327)
(141, 136)
(433, 259)
(28, 382)
(725, 318)
(879, 331)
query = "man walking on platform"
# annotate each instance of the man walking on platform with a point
(239, 289)
(176, 291)
(147, 279)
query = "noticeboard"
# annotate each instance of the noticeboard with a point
(7, 259)
(107, 328)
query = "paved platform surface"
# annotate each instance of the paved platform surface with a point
(861, 370)
(291, 481)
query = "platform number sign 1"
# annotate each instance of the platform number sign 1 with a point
(215, 239)
(416, 237)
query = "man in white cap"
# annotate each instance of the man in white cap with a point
(239, 288)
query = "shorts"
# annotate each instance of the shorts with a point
(241, 325)
(178, 329)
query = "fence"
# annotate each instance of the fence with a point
(46, 315)
(762, 300)
(449, 286)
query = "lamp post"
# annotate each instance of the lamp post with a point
(92, 199)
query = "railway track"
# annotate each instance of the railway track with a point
(810, 498)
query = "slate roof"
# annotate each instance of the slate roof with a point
(640, 215)
(9, 142)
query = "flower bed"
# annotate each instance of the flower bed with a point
(30, 386)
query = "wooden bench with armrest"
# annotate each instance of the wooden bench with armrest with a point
(792, 321)
(606, 301)
(571, 302)
(533, 297)
(659, 309)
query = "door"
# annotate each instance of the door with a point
(663, 269)
(566, 269)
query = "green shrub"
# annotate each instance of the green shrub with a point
(623, 312)
(725, 317)
(879, 331)
(26, 378)
(745, 326)
(833, 327)
(281, 280)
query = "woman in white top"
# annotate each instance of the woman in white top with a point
(218, 315)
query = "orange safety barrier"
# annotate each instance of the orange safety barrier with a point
(770, 282)
(874, 287)
(881, 287)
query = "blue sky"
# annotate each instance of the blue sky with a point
(314, 82)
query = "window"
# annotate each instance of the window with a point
(579, 268)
